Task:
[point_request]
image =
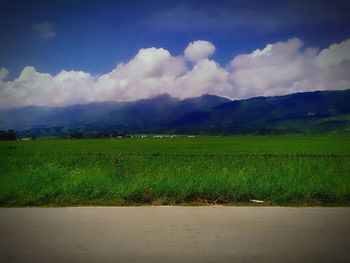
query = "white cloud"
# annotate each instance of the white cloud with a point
(35, 88)
(287, 67)
(206, 77)
(45, 30)
(262, 52)
(279, 68)
(199, 50)
(151, 72)
(334, 54)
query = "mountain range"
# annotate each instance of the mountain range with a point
(306, 113)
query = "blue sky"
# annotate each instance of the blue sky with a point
(59, 53)
(94, 36)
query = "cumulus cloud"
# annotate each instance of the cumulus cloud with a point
(45, 30)
(35, 88)
(287, 67)
(151, 72)
(276, 69)
(206, 77)
(334, 54)
(199, 50)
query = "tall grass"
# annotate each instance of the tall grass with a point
(172, 171)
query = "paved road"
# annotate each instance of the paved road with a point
(175, 234)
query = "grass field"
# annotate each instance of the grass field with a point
(281, 170)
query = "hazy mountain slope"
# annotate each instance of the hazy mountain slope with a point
(301, 112)
(154, 113)
(32, 116)
(311, 112)
(136, 115)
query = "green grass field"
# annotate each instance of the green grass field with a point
(281, 170)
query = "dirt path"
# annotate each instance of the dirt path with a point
(175, 234)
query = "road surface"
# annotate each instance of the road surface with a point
(175, 234)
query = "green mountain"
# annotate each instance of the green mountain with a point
(148, 115)
(310, 112)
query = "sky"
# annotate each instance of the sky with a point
(58, 53)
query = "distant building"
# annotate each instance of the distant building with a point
(25, 139)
